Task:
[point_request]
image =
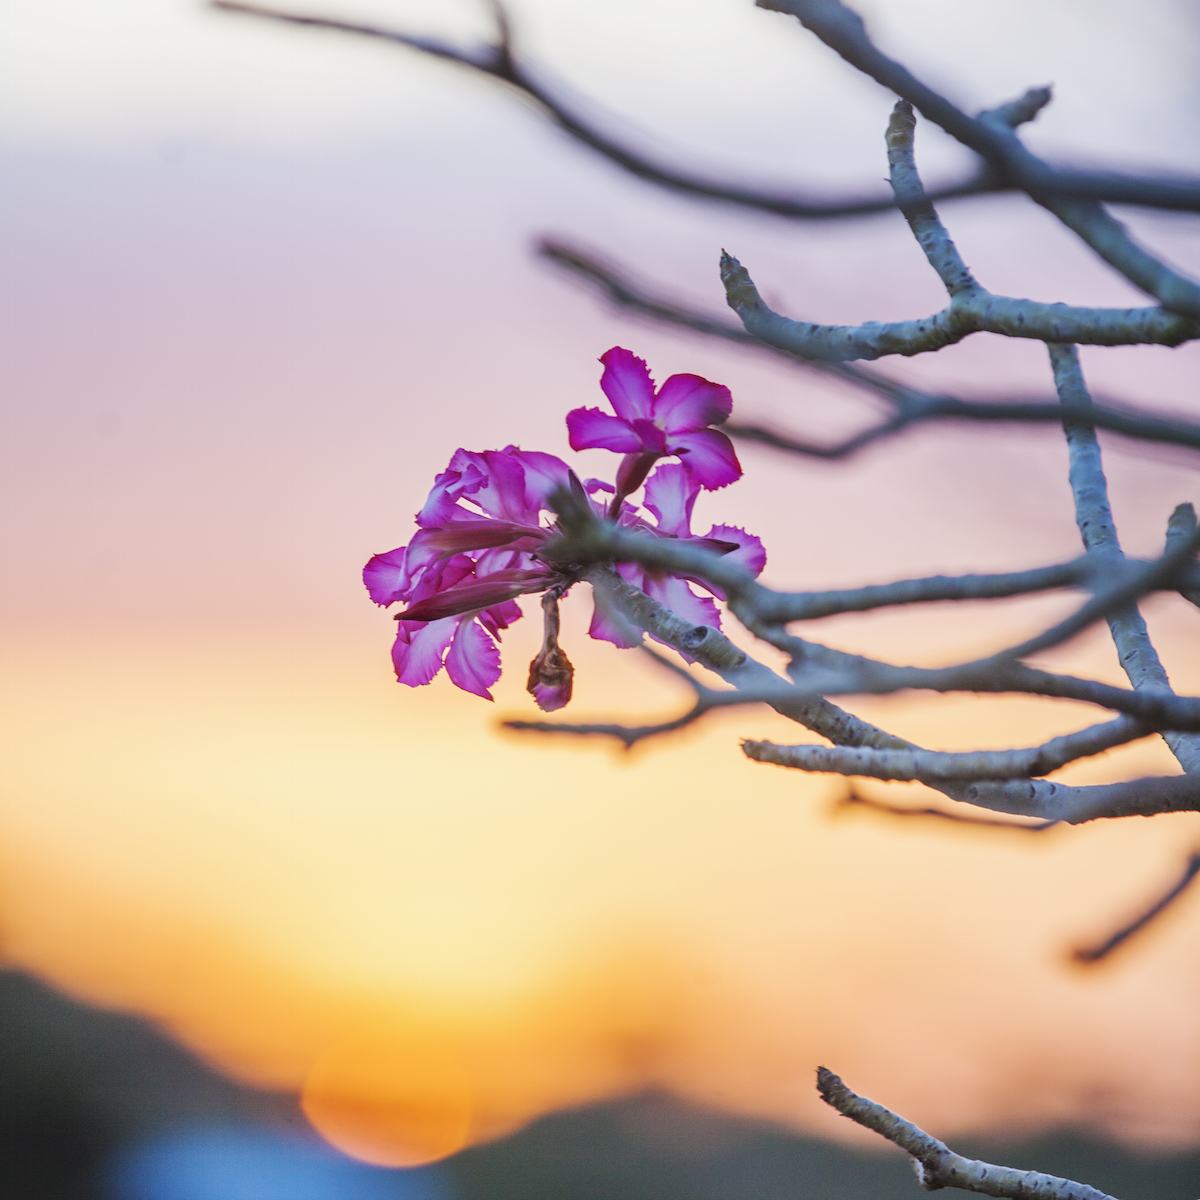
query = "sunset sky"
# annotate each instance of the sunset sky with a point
(258, 284)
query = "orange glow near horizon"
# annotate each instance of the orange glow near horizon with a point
(327, 883)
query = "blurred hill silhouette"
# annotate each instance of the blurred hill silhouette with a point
(80, 1086)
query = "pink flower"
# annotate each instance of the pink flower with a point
(671, 495)
(650, 424)
(481, 532)
(462, 571)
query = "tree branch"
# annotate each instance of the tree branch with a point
(918, 209)
(1093, 515)
(936, 1165)
(1071, 195)
(936, 766)
(910, 406)
(853, 800)
(977, 311)
(1101, 950)
(497, 61)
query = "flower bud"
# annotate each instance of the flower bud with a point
(550, 674)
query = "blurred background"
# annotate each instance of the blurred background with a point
(271, 922)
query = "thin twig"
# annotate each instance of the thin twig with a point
(1101, 950)
(918, 209)
(928, 766)
(936, 1165)
(1071, 195)
(497, 61)
(820, 671)
(911, 406)
(977, 311)
(1098, 531)
(628, 735)
(1183, 194)
(854, 800)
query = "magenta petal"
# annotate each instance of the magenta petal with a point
(683, 602)
(627, 384)
(473, 663)
(750, 554)
(500, 616)
(591, 429)
(480, 593)
(463, 477)
(418, 650)
(386, 578)
(670, 495)
(708, 457)
(544, 474)
(482, 533)
(652, 438)
(605, 629)
(688, 402)
(503, 495)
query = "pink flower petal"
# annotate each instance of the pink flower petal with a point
(686, 403)
(473, 663)
(592, 429)
(463, 477)
(606, 629)
(708, 457)
(482, 534)
(544, 475)
(750, 554)
(627, 384)
(653, 439)
(500, 616)
(670, 495)
(418, 650)
(385, 577)
(683, 602)
(503, 495)
(479, 593)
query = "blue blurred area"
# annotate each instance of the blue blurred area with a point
(244, 1163)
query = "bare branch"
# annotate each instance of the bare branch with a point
(1071, 195)
(978, 311)
(853, 800)
(936, 1165)
(818, 671)
(1101, 950)
(711, 649)
(588, 539)
(1077, 805)
(1114, 604)
(1093, 515)
(937, 766)
(917, 208)
(1181, 523)
(1025, 797)
(497, 62)
(911, 406)
(628, 735)
(1143, 427)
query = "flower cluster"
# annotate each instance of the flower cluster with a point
(488, 515)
